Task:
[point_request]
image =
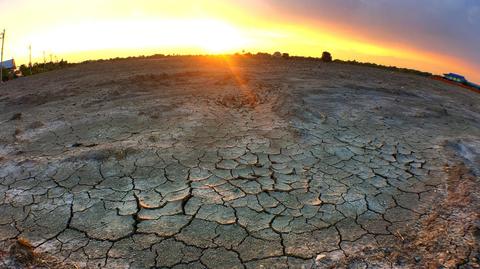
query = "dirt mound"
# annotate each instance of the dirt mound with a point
(240, 100)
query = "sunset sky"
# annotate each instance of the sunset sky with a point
(432, 35)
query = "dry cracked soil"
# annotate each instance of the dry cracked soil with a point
(211, 162)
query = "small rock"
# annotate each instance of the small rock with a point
(320, 257)
(16, 116)
(357, 264)
(401, 261)
(76, 145)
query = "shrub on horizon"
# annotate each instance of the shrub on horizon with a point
(326, 57)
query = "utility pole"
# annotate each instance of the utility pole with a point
(30, 55)
(30, 58)
(1, 57)
(44, 60)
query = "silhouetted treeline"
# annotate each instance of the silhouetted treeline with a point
(391, 68)
(40, 68)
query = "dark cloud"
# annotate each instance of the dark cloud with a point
(450, 27)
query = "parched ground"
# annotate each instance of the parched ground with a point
(202, 162)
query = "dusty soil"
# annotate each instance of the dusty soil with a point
(202, 162)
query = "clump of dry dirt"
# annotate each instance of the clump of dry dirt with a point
(21, 255)
(16, 116)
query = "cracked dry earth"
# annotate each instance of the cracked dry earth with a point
(197, 162)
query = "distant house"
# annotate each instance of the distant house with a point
(455, 77)
(458, 80)
(10, 66)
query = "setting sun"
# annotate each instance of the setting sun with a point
(217, 37)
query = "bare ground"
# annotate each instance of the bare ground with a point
(203, 162)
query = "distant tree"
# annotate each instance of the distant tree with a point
(277, 54)
(326, 57)
(62, 63)
(5, 74)
(285, 55)
(25, 70)
(263, 54)
(155, 56)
